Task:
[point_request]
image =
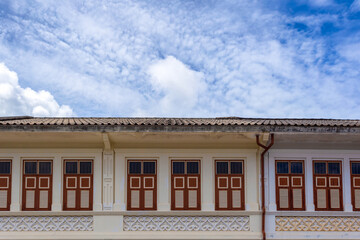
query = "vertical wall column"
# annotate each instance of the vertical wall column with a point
(57, 184)
(108, 189)
(207, 184)
(309, 187)
(347, 185)
(270, 181)
(97, 205)
(15, 183)
(120, 183)
(163, 183)
(252, 201)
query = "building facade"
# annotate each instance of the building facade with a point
(158, 178)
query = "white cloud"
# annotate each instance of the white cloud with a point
(179, 86)
(355, 6)
(321, 3)
(15, 100)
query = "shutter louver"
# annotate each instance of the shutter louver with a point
(71, 199)
(284, 198)
(84, 198)
(3, 198)
(30, 199)
(192, 198)
(148, 201)
(43, 199)
(297, 198)
(321, 198)
(135, 198)
(334, 198)
(223, 200)
(179, 198)
(357, 198)
(236, 199)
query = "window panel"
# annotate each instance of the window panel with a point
(149, 168)
(78, 185)
(185, 185)
(85, 167)
(327, 186)
(37, 185)
(296, 167)
(320, 167)
(236, 167)
(71, 167)
(222, 167)
(134, 167)
(178, 167)
(45, 167)
(141, 188)
(333, 168)
(192, 167)
(5, 167)
(355, 168)
(282, 167)
(290, 189)
(30, 167)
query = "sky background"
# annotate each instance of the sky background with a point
(273, 58)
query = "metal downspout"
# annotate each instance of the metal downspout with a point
(266, 148)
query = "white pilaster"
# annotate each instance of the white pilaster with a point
(207, 184)
(251, 180)
(309, 192)
(108, 189)
(270, 181)
(57, 184)
(120, 183)
(347, 185)
(164, 182)
(97, 205)
(16, 183)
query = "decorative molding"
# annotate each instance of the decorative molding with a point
(315, 224)
(186, 223)
(46, 223)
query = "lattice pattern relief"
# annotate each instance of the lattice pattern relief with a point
(313, 224)
(186, 223)
(46, 223)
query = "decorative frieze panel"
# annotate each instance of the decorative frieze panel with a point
(46, 223)
(314, 224)
(186, 223)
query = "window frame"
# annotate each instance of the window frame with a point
(229, 189)
(142, 188)
(37, 176)
(289, 176)
(185, 175)
(328, 188)
(9, 184)
(78, 188)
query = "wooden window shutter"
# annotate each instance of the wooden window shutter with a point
(37, 185)
(185, 185)
(78, 185)
(5, 184)
(229, 186)
(327, 177)
(141, 185)
(290, 187)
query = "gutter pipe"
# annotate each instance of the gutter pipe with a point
(266, 148)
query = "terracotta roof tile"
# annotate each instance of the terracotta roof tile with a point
(180, 121)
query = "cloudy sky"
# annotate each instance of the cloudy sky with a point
(288, 58)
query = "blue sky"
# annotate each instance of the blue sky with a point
(298, 58)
